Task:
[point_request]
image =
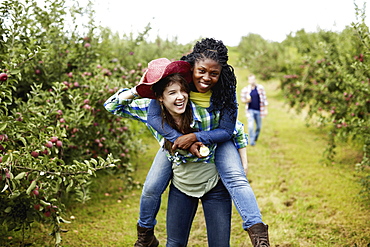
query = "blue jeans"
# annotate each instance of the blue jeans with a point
(231, 171)
(254, 117)
(182, 209)
(230, 168)
(155, 184)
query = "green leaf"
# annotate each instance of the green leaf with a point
(69, 187)
(58, 239)
(8, 209)
(20, 176)
(15, 71)
(31, 187)
(63, 220)
(23, 140)
(94, 161)
(44, 203)
(5, 187)
(2, 126)
(15, 194)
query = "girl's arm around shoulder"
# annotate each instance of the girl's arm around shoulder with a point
(223, 133)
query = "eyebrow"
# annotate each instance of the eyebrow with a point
(203, 67)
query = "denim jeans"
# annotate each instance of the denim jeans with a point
(232, 174)
(230, 168)
(182, 209)
(155, 184)
(254, 116)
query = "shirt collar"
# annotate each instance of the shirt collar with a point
(196, 116)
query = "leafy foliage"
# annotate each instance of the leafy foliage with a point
(259, 56)
(55, 134)
(326, 74)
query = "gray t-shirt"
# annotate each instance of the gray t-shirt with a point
(195, 179)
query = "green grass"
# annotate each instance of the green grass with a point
(304, 202)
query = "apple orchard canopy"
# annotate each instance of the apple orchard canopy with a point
(158, 69)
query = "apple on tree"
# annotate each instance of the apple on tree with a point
(3, 77)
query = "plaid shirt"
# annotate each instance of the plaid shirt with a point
(202, 121)
(263, 99)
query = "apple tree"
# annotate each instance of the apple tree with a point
(55, 134)
(332, 82)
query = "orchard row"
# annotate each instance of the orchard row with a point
(55, 134)
(327, 75)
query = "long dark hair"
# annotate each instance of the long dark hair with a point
(186, 117)
(224, 92)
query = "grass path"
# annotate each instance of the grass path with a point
(304, 202)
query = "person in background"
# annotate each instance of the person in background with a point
(254, 97)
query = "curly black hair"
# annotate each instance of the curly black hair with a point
(224, 92)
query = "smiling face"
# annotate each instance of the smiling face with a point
(175, 99)
(206, 74)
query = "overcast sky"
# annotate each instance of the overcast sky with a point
(227, 20)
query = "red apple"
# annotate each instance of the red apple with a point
(3, 77)
(86, 106)
(49, 144)
(35, 154)
(54, 139)
(59, 143)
